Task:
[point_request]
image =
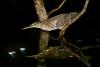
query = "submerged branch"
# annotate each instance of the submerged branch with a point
(90, 47)
(60, 52)
(57, 52)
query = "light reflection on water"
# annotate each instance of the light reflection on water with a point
(15, 52)
(22, 49)
(12, 53)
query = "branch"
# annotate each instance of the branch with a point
(83, 11)
(74, 16)
(42, 15)
(52, 11)
(90, 47)
(60, 52)
(71, 18)
(40, 10)
(44, 36)
(85, 60)
(57, 52)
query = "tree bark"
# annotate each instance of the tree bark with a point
(44, 36)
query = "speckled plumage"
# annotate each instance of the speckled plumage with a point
(53, 23)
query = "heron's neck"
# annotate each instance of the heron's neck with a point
(37, 25)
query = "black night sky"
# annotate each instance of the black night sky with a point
(16, 14)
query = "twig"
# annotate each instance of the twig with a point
(90, 47)
(52, 11)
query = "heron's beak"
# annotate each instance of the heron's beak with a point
(27, 27)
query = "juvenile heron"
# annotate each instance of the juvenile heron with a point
(53, 23)
(61, 21)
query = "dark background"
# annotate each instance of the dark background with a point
(16, 14)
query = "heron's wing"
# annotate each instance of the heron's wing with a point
(61, 20)
(66, 19)
(53, 21)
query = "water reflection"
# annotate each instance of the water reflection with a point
(16, 52)
(12, 53)
(22, 49)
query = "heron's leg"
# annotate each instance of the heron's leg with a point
(64, 42)
(61, 34)
(60, 37)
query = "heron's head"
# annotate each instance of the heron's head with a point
(33, 25)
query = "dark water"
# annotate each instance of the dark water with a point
(17, 14)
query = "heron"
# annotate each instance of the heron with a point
(53, 23)
(61, 21)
